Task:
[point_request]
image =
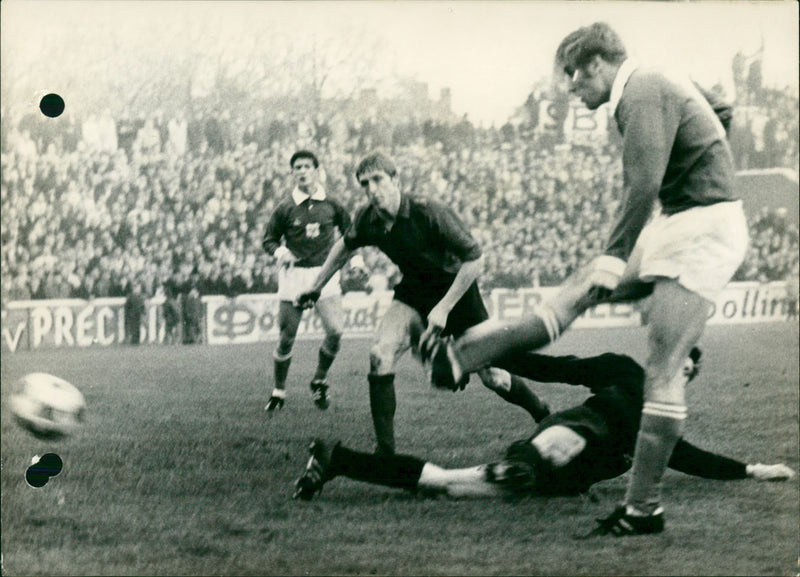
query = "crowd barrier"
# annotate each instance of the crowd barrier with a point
(33, 325)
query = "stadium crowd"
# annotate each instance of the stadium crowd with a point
(172, 203)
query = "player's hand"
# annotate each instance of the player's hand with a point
(287, 261)
(437, 319)
(516, 477)
(598, 294)
(428, 341)
(604, 276)
(779, 472)
(307, 299)
(285, 257)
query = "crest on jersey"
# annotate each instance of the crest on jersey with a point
(312, 230)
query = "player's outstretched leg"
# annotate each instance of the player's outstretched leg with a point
(480, 346)
(488, 341)
(328, 461)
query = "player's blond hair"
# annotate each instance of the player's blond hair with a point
(580, 46)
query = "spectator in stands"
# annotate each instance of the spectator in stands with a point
(135, 309)
(172, 314)
(16, 289)
(192, 317)
(88, 192)
(86, 289)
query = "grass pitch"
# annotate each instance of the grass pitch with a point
(178, 471)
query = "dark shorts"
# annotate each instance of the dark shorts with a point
(469, 311)
(601, 459)
(585, 421)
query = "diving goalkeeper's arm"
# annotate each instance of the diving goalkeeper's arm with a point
(688, 459)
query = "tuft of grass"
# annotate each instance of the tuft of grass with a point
(179, 471)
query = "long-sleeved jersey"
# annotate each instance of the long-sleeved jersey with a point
(308, 228)
(429, 243)
(674, 149)
(608, 420)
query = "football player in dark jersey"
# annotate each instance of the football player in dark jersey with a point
(569, 450)
(440, 262)
(300, 234)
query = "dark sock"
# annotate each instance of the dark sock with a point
(401, 471)
(281, 372)
(383, 403)
(522, 396)
(324, 364)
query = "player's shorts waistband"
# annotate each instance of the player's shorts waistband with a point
(670, 212)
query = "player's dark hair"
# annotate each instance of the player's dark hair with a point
(376, 161)
(304, 154)
(580, 46)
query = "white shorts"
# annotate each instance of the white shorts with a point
(701, 247)
(294, 280)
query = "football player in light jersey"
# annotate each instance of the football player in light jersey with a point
(675, 156)
(306, 221)
(569, 450)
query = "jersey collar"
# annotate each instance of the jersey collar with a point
(405, 206)
(300, 197)
(403, 211)
(620, 80)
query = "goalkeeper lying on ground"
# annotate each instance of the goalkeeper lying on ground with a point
(569, 451)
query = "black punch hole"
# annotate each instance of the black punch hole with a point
(51, 105)
(40, 472)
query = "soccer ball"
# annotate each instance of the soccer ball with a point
(47, 407)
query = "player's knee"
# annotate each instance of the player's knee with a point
(379, 361)
(665, 384)
(669, 346)
(332, 343)
(663, 334)
(285, 345)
